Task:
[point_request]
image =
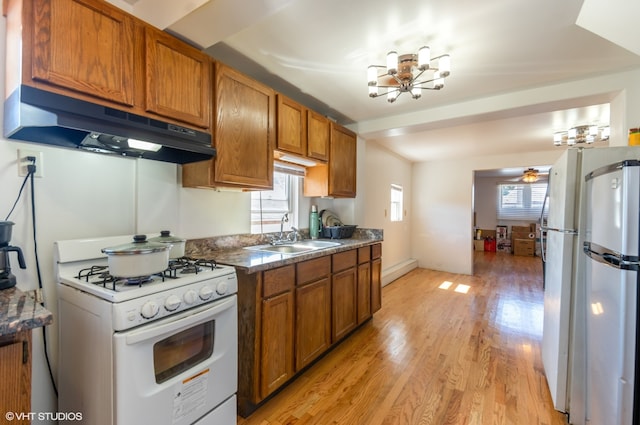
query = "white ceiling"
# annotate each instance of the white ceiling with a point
(317, 52)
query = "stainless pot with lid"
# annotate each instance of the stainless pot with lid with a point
(138, 258)
(177, 243)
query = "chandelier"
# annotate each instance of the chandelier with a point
(581, 134)
(409, 73)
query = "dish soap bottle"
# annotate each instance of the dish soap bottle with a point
(314, 223)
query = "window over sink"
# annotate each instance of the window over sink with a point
(269, 206)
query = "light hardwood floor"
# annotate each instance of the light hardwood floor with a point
(434, 355)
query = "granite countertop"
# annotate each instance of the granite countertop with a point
(250, 261)
(20, 311)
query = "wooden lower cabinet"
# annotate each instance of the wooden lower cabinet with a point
(364, 292)
(276, 355)
(15, 373)
(376, 277)
(290, 316)
(344, 303)
(313, 321)
(376, 285)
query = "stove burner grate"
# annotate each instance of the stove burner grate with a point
(99, 275)
(102, 277)
(188, 265)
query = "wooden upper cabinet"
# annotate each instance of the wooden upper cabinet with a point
(83, 45)
(318, 136)
(292, 126)
(91, 50)
(178, 79)
(302, 131)
(244, 132)
(337, 178)
(342, 162)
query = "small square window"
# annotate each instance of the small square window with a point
(396, 202)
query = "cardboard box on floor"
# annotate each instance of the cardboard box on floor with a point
(525, 247)
(488, 233)
(523, 239)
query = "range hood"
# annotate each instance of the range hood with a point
(39, 116)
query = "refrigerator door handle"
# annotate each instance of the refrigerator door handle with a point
(610, 257)
(564, 231)
(543, 226)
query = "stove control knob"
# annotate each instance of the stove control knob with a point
(222, 288)
(149, 309)
(206, 292)
(190, 296)
(172, 302)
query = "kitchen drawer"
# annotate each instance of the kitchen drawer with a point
(364, 254)
(312, 270)
(278, 280)
(376, 250)
(344, 260)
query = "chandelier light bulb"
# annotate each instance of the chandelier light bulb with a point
(438, 81)
(373, 91)
(416, 92)
(372, 75)
(392, 95)
(424, 57)
(444, 65)
(557, 138)
(392, 62)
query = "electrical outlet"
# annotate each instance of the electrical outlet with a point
(23, 162)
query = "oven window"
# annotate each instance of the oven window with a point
(182, 351)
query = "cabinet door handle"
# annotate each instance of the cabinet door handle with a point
(25, 352)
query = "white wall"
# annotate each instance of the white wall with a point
(383, 169)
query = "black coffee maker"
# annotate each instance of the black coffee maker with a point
(7, 280)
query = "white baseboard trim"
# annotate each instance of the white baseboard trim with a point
(392, 273)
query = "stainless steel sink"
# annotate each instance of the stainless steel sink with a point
(317, 244)
(295, 247)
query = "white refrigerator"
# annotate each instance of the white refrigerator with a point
(564, 334)
(559, 246)
(612, 247)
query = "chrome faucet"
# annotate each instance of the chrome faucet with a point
(285, 218)
(280, 238)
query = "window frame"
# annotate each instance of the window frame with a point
(528, 203)
(396, 209)
(268, 219)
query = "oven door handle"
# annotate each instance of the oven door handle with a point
(185, 320)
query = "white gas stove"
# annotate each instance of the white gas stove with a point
(159, 349)
(186, 283)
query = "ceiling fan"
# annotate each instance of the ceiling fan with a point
(531, 175)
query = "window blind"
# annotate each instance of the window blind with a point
(520, 201)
